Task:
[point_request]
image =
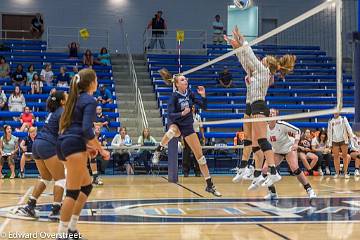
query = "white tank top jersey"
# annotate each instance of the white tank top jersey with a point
(339, 130)
(282, 137)
(259, 76)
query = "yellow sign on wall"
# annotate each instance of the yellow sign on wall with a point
(180, 35)
(84, 33)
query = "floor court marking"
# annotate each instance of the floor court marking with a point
(21, 201)
(180, 185)
(273, 231)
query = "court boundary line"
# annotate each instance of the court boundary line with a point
(273, 231)
(180, 185)
(21, 201)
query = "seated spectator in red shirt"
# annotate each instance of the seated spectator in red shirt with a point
(27, 119)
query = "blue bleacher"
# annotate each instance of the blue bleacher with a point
(312, 86)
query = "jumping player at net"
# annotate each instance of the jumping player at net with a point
(76, 129)
(260, 77)
(181, 121)
(284, 139)
(47, 162)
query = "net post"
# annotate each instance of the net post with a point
(173, 160)
(339, 82)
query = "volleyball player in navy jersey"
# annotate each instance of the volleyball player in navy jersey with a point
(180, 122)
(76, 132)
(47, 162)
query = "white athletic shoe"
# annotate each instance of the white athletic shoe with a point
(239, 175)
(357, 173)
(256, 183)
(271, 196)
(311, 193)
(327, 171)
(336, 176)
(271, 179)
(249, 173)
(347, 176)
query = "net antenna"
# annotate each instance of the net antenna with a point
(339, 76)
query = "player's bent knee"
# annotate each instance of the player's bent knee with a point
(170, 133)
(297, 172)
(61, 183)
(264, 144)
(45, 182)
(202, 160)
(74, 194)
(87, 189)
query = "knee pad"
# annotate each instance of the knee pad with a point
(74, 194)
(93, 160)
(255, 149)
(61, 183)
(170, 133)
(247, 143)
(297, 172)
(202, 160)
(45, 182)
(87, 189)
(264, 144)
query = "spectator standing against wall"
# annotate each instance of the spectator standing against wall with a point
(37, 26)
(158, 26)
(218, 30)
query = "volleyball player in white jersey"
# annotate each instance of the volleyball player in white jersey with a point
(284, 139)
(260, 77)
(339, 136)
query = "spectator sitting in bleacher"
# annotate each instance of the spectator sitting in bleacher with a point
(101, 120)
(122, 156)
(73, 50)
(74, 71)
(354, 151)
(37, 26)
(16, 101)
(88, 59)
(103, 95)
(318, 144)
(37, 84)
(47, 75)
(19, 76)
(218, 30)
(30, 74)
(62, 79)
(104, 57)
(305, 154)
(26, 148)
(3, 100)
(226, 78)
(4, 69)
(27, 120)
(8, 149)
(144, 156)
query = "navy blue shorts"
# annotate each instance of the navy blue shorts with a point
(42, 149)
(68, 145)
(185, 130)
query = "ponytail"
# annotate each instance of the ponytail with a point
(79, 83)
(167, 76)
(284, 64)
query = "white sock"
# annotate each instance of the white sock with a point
(73, 222)
(63, 227)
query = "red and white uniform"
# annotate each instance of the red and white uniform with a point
(282, 137)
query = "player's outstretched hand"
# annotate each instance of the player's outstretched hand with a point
(201, 91)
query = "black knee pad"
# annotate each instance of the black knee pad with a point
(264, 144)
(86, 189)
(297, 172)
(74, 194)
(255, 149)
(93, 160)
(247, 143)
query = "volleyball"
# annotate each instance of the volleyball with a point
(242, 4)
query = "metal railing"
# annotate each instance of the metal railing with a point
(58, 38)
(194, 41)
(139, 105)
(7, 34)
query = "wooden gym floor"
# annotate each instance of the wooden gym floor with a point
(148, 207)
